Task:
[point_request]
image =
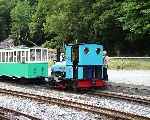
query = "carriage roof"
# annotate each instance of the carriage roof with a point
(20, 48)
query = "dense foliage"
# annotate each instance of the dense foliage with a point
(122, 26)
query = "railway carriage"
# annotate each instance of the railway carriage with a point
(24, 62)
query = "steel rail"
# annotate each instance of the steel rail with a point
(122, 97)
(3, 116)
(81, 106)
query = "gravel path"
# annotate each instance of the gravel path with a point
(97, 101)
(135, 77)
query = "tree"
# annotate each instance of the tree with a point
(5, 21)
(120, 25)
(135, 21)
(56, 22)
(21, 17)
(38, 20)
(135, 17)
(86, 21)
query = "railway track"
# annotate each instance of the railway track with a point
(8, 114)
(3, 116)
(80, 106)
(122, 97)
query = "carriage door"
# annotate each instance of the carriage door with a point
(75, 60)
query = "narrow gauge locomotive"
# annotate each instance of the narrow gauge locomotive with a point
(83, 67)
(24, 62)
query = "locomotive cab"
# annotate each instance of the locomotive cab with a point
(84, 65)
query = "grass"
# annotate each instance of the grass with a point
(127, 64)
(130, 64)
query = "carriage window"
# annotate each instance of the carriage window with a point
(6, 56)
(3, 57)
(26, 55)
(32, 54)
(44, 55)
(15, 56)
(19, 56)
(38, 54)
(23, 56)
(10, 56)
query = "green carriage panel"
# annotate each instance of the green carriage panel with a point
(14, 69)
(37, 69)
(26, 70)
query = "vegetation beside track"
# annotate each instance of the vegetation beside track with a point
(122, 26)
(129, 64)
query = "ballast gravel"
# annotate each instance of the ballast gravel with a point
(120, 105)
(44, 111)
(135, 90)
